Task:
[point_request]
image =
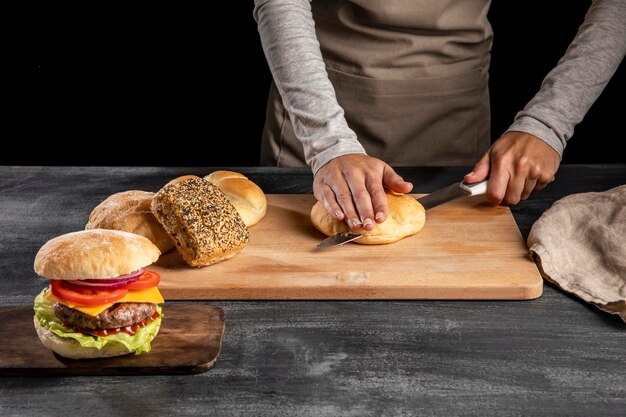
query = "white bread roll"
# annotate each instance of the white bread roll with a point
(245, 195)
(406, 217)
(96, 253)
(129, 211)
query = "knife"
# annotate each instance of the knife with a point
(449, 193)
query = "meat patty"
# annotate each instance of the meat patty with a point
(118, 315)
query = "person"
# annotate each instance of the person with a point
(362, 84)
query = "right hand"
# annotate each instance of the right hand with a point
(352, 189)
(517, 164)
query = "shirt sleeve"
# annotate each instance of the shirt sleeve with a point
(570, 89)
(287, 33)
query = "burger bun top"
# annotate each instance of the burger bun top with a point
(94, 254)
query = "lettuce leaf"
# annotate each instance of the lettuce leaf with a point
(138, 343)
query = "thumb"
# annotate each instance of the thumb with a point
(481, 170)
(394, 181)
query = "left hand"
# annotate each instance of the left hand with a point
(351, 188)
(517, 164)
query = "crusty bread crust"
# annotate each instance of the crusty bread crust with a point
(406, 217)
(205, 226)
(245, 195)
(96, 253)
(129, 211)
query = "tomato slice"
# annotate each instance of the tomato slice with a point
(86, 297)
(147, 280)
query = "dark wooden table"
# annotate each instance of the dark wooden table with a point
(552, 356)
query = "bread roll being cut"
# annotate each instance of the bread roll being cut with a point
(205, 226)
(406, 216)
(129, 211)
(245, 195)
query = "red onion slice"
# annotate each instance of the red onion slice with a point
(133, 276)
(109, 284)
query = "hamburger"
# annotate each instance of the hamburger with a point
(101, 302)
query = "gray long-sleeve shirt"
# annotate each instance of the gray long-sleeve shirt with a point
(287, 32)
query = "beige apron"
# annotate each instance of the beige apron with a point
(411, 76)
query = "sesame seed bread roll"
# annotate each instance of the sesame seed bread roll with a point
(129, 211)
(205, 226)
(245, 195)
(406, 217)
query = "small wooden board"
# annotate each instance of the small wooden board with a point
(189, 342)
(468, 249)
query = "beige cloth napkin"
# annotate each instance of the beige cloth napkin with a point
(580, 244)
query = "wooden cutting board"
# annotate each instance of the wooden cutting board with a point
(466, 250)
(188, 342)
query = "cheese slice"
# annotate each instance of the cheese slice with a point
(151, 295)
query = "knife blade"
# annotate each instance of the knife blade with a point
(434, 199)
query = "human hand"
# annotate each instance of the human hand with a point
(351, 188)
(517, 164)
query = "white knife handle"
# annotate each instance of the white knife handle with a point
(476, 188)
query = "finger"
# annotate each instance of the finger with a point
(344, 199)
(379, 203)
(363, 204)
(540, 186)
(329, 201)
(481, 170)
(323, 191)
(529, 187)
(538, 181)
(395, 182)
(515, 187)
(497, 185)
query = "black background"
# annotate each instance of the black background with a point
(102, 87)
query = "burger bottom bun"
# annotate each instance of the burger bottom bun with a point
(70, 348)
(406, 217)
